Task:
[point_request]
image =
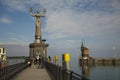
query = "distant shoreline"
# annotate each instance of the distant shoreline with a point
(17, 57)
(100, 61)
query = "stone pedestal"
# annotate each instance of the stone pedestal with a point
(38, 49)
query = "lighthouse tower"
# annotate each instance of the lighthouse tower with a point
(38, 47)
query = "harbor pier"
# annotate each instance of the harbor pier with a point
(33, 73)
(22, 71)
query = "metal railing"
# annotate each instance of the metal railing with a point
(59, 73)
(7, 73)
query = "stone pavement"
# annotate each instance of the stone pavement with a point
(32, 73)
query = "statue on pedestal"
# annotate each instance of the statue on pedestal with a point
(38, 23)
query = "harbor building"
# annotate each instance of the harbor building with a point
(3, 54)
(3, 57)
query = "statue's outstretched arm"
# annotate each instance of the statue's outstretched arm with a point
(43, 15)
(33, 15)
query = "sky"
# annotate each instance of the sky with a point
(66, 25)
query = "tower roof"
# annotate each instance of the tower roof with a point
(83, 47)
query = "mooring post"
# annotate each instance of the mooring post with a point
(66, 66)
(56, 60)
(66, 61)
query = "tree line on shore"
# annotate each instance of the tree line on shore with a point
(17, 57)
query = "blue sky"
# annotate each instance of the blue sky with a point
(66, 25)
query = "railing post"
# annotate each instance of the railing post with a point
(71, 75)
(59, 69)
(0, 72)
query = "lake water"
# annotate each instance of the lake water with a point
(14, 61)
(92, 72)
(99, 72)
(96, 72)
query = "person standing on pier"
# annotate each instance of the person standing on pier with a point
(40, 62)
(29, 62)
(49, 59)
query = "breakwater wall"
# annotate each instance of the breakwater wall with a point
(100, 61)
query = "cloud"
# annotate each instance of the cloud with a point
(1, 43)
(69, 24)
(82, 5)
(69, 20)
(14, 38)
(5, 20)
(15, 49)
(98, 28)
(55, 5)
(14, 5)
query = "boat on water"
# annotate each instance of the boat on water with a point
(3, 57)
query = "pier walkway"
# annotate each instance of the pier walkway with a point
(33, 73)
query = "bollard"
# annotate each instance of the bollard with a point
(66, 61)
(66, 66)
(55, 60)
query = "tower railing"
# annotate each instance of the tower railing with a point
(59, 73)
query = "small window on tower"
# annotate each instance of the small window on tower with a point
(0, 50)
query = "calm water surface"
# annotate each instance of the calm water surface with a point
(96, 72)
(14, 61)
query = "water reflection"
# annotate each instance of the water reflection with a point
(100, 72)
(85, 70)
